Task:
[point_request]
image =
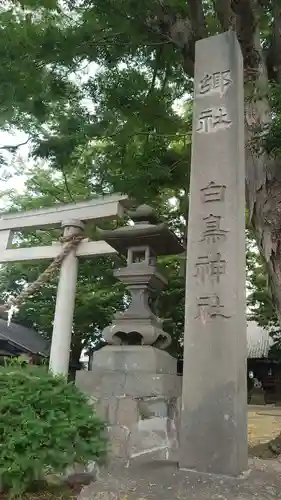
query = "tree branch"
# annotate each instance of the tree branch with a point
(177, 30)
(16, 146)
(167, 26)
(224, 13)
(155, 71)
(197, 19)
(67, 186)
(167, 71)
(242, 16)
(247, 27)
(276, 45)
(264, 3)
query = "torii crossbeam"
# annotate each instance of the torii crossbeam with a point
(72, 218)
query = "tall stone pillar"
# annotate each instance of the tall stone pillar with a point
(213, 435)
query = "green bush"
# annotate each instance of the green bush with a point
(45, 424)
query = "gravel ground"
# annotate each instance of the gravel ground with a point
(163, 481)
(154, 480)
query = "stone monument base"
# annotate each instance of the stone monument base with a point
(137, 391)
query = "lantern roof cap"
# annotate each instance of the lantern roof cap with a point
(146, 231)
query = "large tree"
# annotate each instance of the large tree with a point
(119, 121)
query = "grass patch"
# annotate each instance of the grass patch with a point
(48, 493)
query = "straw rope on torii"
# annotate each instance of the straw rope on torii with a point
(72, 242)
(72, 218)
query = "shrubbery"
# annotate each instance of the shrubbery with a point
(46, 424)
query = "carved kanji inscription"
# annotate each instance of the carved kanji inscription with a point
(213, 192)
(212, 120)
(212, 231)
(210, 267)
(219, 81)
(210, 305)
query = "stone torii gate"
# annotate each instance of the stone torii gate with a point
(72, 218)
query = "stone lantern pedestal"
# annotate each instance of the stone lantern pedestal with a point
(133, 380)
(138, 392)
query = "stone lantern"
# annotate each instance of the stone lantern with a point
(140, 244)
(133, 379)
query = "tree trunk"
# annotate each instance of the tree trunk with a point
(263, 174)
(266, 222)
(263, 179)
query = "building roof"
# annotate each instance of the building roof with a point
(23, 338)
(259, 341)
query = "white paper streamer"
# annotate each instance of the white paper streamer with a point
(12, 309)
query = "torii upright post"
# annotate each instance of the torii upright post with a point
(72, 218)
(63, 320)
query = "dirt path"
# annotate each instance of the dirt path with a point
(264, 424)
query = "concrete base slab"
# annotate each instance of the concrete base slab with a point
(156, 480)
